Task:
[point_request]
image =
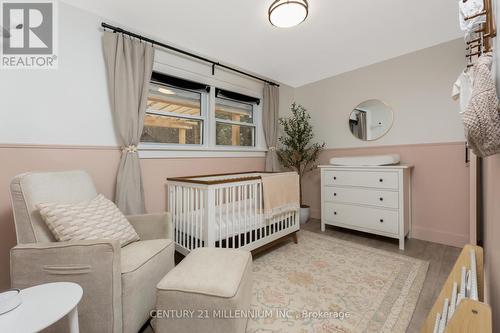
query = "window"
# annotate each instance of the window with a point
(173, 115)
(234, 123)
(187, 116)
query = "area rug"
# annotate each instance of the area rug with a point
(324, 284)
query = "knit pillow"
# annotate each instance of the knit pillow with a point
(98, 218)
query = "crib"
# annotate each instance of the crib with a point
(224, 211)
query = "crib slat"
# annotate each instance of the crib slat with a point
(226, 215)
(242, 216)
(188, 218)
(172, 209)
(194, 220)
(245, 212)
(202, 217)
(261, 212)
(239, 236)
(198, 219)
(177, 213)
(192, 210)
(255, 222)
(233, 204)
(184, 216)
(219, 203)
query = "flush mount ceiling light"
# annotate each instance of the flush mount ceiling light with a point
(288, 13)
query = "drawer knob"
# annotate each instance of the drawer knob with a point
(334, 178)
(381, 199)
(334, 194)
(334, 213)
(381, 180)
(381, 220)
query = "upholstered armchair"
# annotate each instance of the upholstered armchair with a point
(119, 284)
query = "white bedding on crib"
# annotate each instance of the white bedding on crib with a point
(250, 220)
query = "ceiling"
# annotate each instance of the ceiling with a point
(338, 36)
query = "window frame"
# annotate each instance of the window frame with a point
(253, 124)
(204, 99)
(152, 150)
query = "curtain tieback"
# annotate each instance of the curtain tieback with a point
(130, 149)
(271, 148)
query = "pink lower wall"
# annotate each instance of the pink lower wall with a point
(440, 183)
(491, 220)
(440, 188)
(101, 163)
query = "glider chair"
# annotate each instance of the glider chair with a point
(119, 283)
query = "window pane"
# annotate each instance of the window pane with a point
(168, 99)
(234, 135)
(165, 129)
(234, 111)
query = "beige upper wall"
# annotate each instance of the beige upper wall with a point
(287, 97)
(427, 132)
(417, 86)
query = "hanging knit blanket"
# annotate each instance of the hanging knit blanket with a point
(281, 193)
(482, 116)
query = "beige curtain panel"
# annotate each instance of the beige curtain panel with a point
(129, 65)
(270, 124)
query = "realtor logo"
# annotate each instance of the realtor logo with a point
(28, 35)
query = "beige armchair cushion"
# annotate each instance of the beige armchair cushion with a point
(98, 218)
(143, 264)
(29, 189)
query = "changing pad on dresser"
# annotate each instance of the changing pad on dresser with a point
(370, 160)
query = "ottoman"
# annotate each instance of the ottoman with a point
(209, 291)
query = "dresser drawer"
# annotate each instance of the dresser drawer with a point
(378, 179)
(362, 196)
(364, 218)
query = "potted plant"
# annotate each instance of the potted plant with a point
(297, 151)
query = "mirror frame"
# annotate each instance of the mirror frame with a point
(367, 100)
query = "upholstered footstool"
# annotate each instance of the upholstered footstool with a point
(209, 291)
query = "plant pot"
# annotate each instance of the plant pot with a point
(304, 214)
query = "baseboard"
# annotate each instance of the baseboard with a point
(426, 234)
(435, 236)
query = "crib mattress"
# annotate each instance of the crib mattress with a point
(252, 219)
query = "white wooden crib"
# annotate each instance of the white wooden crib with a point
(224, 211)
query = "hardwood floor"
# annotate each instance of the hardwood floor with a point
(441, 260)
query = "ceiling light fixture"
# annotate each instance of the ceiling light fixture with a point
(288, 13)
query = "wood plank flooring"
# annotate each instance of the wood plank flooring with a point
(441, 260)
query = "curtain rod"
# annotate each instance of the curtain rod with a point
(175, 49)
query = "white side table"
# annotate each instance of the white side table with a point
(42, 306)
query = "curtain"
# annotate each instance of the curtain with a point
(362, 130)
(129, 64)
(270, 125)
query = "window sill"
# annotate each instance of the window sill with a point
(154, 151)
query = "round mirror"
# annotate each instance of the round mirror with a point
(371, 120)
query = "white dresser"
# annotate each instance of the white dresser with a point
(373, 199)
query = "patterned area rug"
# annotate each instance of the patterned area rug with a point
(325, 284)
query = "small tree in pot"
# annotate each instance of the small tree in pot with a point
(297, 151)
